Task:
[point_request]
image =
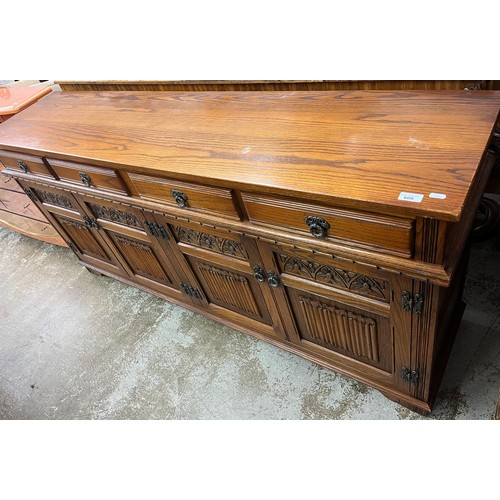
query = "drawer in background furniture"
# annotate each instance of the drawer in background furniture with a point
(386, 234)
(105, 179)
(189, 196)
(33, 228)
(9, 183)
(19, 203)
(21, 162)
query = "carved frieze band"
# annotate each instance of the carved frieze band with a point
(229, 288)
(115, 215)
(54, 199)
(330, 326)
(334, 276)
(215, 243)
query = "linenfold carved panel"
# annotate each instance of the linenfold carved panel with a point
(141, 259)
(337, 328)
(229, 288)
(334, 276)
(83, 238)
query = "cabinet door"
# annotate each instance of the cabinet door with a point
(63, 211)
(124, 229)
(218, 266)
(340, 312)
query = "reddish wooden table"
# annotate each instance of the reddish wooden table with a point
(15, 99)
(17, 211)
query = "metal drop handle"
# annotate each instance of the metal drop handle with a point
(23, 166)
(180, 198)
(85, 179)
(273, 279)
(258, 273)
(317, 226)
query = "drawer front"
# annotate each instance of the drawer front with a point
(90, 176)
(187, 196)
(19, 203)
(25, 163)
(385, 234)
(9, 183)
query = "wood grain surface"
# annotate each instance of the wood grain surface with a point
(356, 149)
(229, 85)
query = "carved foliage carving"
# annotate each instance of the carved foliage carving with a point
(337, 328)
(229, 288)
(54, 199)
(333, 276)
(115, 215)
(215, 243)
(141, 259)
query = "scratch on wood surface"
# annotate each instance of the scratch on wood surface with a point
(418, 143)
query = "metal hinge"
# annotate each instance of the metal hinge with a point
(90, 223)
(156, 230)
(409, 303)
(189, 290)
(409, 376)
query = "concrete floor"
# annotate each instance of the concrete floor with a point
(77, 346)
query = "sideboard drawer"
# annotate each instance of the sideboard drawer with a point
(381, 233)
(105, 179)
(25, 163)
(184, 195)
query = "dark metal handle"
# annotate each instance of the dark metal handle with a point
(180, 198)
(90, 223)
(85, 179)
(258, 272)
(23, 166)
(317, 226)
(273, 279)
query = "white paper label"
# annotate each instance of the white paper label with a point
(439, 196)
(414, 197)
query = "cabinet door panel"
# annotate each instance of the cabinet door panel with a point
(63, 210)
(124, 229)
(148, 266)
(231, 289)
(339, 328)
(87, 244)
(342, 312)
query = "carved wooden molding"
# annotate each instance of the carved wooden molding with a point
(54, 199)
(215, 243)
(131, 243)
(114, 215)
(333, 276)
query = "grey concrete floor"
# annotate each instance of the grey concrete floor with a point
(78, 346)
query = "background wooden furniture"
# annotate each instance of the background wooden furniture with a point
(17, 211)
(283, 85)
(331, 224)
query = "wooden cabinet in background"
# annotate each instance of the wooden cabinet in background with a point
(331, 224)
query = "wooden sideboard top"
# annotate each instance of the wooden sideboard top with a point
(357, 148)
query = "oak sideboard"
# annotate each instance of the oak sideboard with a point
(333, 224)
